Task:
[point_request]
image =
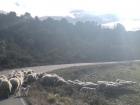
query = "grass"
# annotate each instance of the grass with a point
(61, 96)
(40, 95)
(109, 72)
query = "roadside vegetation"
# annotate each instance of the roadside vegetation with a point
(40, 95)
(29, 41)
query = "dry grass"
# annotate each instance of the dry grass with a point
(109, 72)
(40, 95)
(61, 96)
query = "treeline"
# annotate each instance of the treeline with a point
(28, 41)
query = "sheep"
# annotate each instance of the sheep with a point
(113, 87)
(5, 88)
(3, 77)
(16, 78)
(18, 74)
(1, 80)
(21, 80)
(87, 84)
(25, 72)
(19, 77)
(24, 90)
(71, 82)
(125, 83)
(15, 85)
(79, 84)
(40, 75)
(83, 84)
(103, 85)
(88, 91)
(11, 74)
(31, 78)
(90, 84)
(77, 81)
(29, 71)
(52, 80)
(102, 82)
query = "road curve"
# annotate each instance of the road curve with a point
(20, 101)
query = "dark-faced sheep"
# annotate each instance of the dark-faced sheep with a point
(31, 78)
(25, 90)
(29, 71)
(40, 75)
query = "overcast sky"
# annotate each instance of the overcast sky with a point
(124, 9)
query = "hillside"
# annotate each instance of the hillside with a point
(28, 41)
(42, 94)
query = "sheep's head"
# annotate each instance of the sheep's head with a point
(3, 77)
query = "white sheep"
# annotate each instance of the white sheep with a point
(52, 80)
(5, 88)
(86, 84)
(15, 85)
(102, 82)
(107, 86)
(90, 84)
(71, 82)
(3, 77)
(125, 83)
(103, 85)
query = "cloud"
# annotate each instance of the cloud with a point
(17, 4)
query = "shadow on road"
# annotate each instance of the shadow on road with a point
(20, 96)
(3, 98)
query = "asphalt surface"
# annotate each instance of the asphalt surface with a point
(19, 101)
(13, 101)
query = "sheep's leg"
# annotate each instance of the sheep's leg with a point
(23, 93)
(26, 93)
(15, 94)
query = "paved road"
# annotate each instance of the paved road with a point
(13, 101)
(20, 101)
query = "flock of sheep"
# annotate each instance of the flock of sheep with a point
(13, 82)
(20, 81)
(91, 88)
